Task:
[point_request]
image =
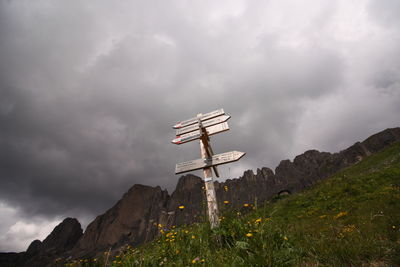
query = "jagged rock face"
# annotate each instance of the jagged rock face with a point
(62, 238)
(34, 248)
(249, 188)
(306, 169)
(189, 194)
(382, 139)
(131, 221)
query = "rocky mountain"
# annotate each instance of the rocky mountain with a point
(136, 218)
(130, 221)
(63, 238)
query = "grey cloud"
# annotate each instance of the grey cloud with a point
(385, 12)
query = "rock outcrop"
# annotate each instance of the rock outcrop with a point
(189, 195)
(63, 238)
(136, 217)
(130, 221)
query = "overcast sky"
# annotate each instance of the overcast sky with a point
(89, 91)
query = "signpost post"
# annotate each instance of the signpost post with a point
(212, 205)
(201, 127)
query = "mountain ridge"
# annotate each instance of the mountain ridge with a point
(134, 218)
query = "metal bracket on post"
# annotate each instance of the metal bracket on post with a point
(207, 179)
(206, 141)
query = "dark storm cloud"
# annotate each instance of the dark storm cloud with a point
(90, 90)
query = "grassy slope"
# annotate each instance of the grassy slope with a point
(350, 219)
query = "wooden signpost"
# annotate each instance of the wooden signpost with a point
(207, 123)
(198, 164)
(201, 128)
(204, 117)
(184, 138)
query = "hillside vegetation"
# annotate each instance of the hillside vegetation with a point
(349, 219)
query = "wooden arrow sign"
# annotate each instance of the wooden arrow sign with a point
(206, 124)
(204, 117)
(218, 159)
(184, 138)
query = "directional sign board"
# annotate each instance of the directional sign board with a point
(206, 123)
(184, 138)
(206, 116)
(209, 162)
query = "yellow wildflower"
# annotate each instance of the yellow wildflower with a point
(226, 202)
(285, 238)
(193, 237)
(249, 234)
(258, 220)
(349, 228)
(186, 231)
(340, 214)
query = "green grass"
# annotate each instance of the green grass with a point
(349, 219)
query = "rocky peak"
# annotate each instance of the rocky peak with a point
(265, 172)
(187, 182)
(248, 175)
(132, 221)
(378, 141)
(187, 201)
(63, 237)
(34, 248)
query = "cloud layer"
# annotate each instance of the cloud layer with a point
(89, 92)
